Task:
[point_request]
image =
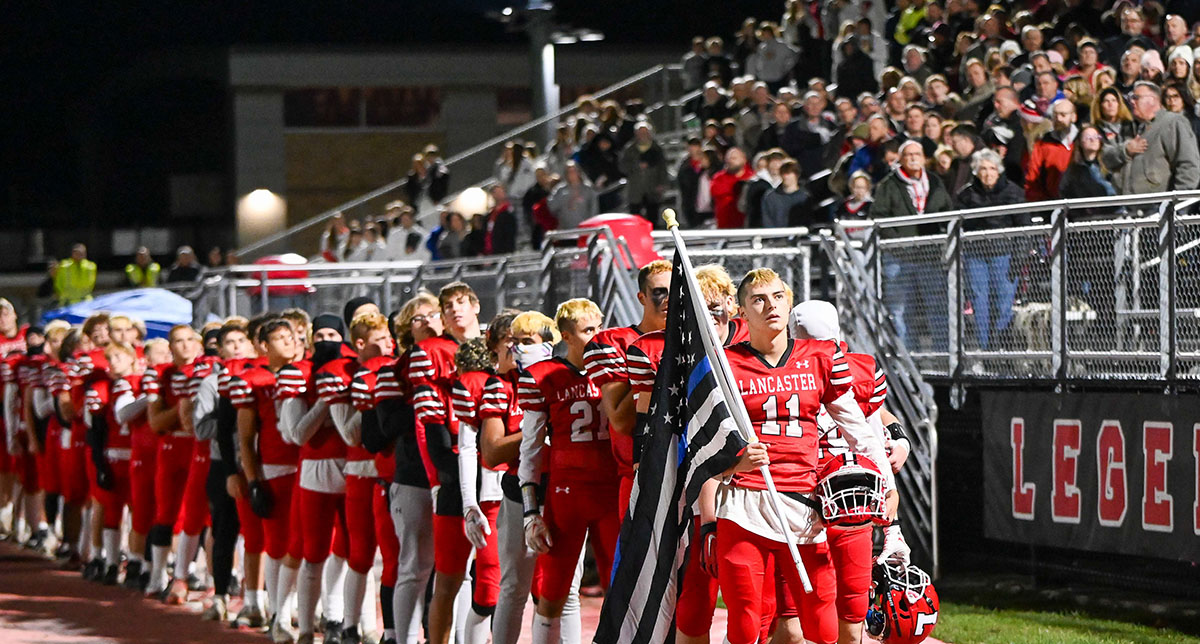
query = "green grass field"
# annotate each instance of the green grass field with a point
(967, 624)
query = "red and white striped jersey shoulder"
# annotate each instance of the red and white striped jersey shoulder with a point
(431, 362)
(292, 380)
(333, 380)
(641, 360)
(466, 396)
(604, 356)
(870, 383)
(428, 406)
(97, 396)
(150, 382)
(390, 381)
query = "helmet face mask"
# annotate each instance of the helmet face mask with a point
(904, 604)
(851, 491)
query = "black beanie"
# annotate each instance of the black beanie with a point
(352, 306)
(329, 321)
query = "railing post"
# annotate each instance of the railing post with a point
(1058, 294)
(387, 291)
(871, 255)
(806, 271)
(952, 258)
(501, 277)
(232, 295)
(1167, 328)
(266, 298)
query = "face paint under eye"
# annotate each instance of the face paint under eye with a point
(659, 295)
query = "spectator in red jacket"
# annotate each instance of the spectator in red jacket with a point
(1051, 155)
(727, 186)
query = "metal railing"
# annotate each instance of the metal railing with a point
(1096, 289)
(473, 167)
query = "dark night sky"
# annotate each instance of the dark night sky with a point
(58, 55)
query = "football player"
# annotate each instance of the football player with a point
(373, 345)
(479, 485)
(561, 403)
(304, 420)
(164, 388)
(850, 547)
(269, 464)
(783, 383)
(431, 375)
(394, 432)
(518, 342)
(234, 347)
(12, 342)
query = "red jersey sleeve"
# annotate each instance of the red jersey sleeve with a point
(429, 406)
(641, 361)
(496, 401)
(420, 367)
(241, 394)
(96, 397)
(292, 381)
(529, 393)
(462, 400)
(150, 384)
(333, 382)
(840, 379)
(388, 382)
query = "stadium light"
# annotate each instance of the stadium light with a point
(260, 213)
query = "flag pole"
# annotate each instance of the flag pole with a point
(726, 382)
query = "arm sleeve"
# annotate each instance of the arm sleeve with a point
(204, 407)
(12, 415)
(533, 440)
(348, 422)
(468, 463)
(126, 409)
(43, 403)
(298, 422)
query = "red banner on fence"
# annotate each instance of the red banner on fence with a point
(1105, 472)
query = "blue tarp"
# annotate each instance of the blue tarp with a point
(158, 308)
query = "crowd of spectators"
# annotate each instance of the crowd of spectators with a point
(843, 86)
(851, 109)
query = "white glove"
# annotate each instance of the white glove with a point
(537, 535)
(433, 494)
(895, 549)
(475, 525)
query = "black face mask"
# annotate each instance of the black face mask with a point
(324, 351)
(212, 352)
(36, 350)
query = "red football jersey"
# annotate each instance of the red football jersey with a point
(500, 401)
(870, 391)
(297, 380)
(333, 386)
(604, 359)
(431, 363)
(467, 398)
(783, 402)
(13, 344)
(100, 397)
(255, 389)
(580, 449)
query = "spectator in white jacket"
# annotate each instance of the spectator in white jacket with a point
(406, 223)
(515, 171)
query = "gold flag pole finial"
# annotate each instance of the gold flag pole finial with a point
(669, 217)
